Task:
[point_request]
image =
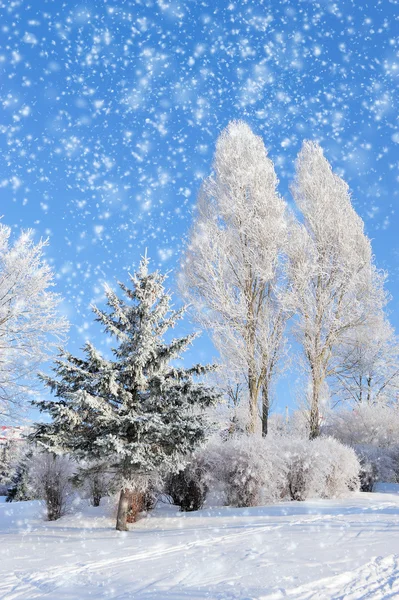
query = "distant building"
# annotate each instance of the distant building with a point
(9, 433)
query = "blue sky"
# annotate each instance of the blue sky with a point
(110, 111)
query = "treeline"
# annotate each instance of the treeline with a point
(256, 274)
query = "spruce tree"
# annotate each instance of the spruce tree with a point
(20, 488)
(134, 410)
(8, 450)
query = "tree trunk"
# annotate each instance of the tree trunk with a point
(253, 404)
(265, 409)
(314, 419)
(314, 422)
(368, 390)
(136, 506)
(123, 509)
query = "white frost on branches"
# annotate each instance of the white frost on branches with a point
(233, 269)
(30, 326)
(368, 365)
(336, 287)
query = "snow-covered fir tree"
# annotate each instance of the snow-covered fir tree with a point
(10, 452)
(135, 410)
(20, 488)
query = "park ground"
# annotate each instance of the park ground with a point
(323, 549)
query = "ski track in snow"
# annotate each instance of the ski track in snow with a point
(48, 581)
(377, 579)
(341, 550)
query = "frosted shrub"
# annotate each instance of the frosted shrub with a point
(335, 469)
(297, 457)
(249, 468)
(373, 431)
(21, 489)
(377, 464)
(320, 468)
(255, 470)
(375, 425)
(94, 481)
(51, 479)
(243, 473)
(15, 462)
(188, 488)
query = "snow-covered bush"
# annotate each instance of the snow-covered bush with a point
(335, 468)
(51, 478)
(255, 470)
(243, 472)
(375, 425)
(373, 432)
(248, 468)
(377, 464)
(12, 454)
(95, 482)
(297, 456)
(320, 468)
(188, 488)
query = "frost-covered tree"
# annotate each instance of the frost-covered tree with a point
(335, 284)
(135, 410)
(368, 365)
(30, 326)
(376, 425)
(232, 269)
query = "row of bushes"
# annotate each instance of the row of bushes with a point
(55, 479)
(240, 471)
(252, 471)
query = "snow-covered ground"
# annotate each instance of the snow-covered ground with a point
(347, 549)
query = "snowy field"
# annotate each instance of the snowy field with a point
(347, 549)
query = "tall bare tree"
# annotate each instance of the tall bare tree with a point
(335, 284)
(233, 268)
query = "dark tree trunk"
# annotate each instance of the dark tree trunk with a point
(265, 410)
(123, 510)
(253, 402)
(136, 505)
(314, 419)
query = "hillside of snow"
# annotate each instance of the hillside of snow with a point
(323, 549)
